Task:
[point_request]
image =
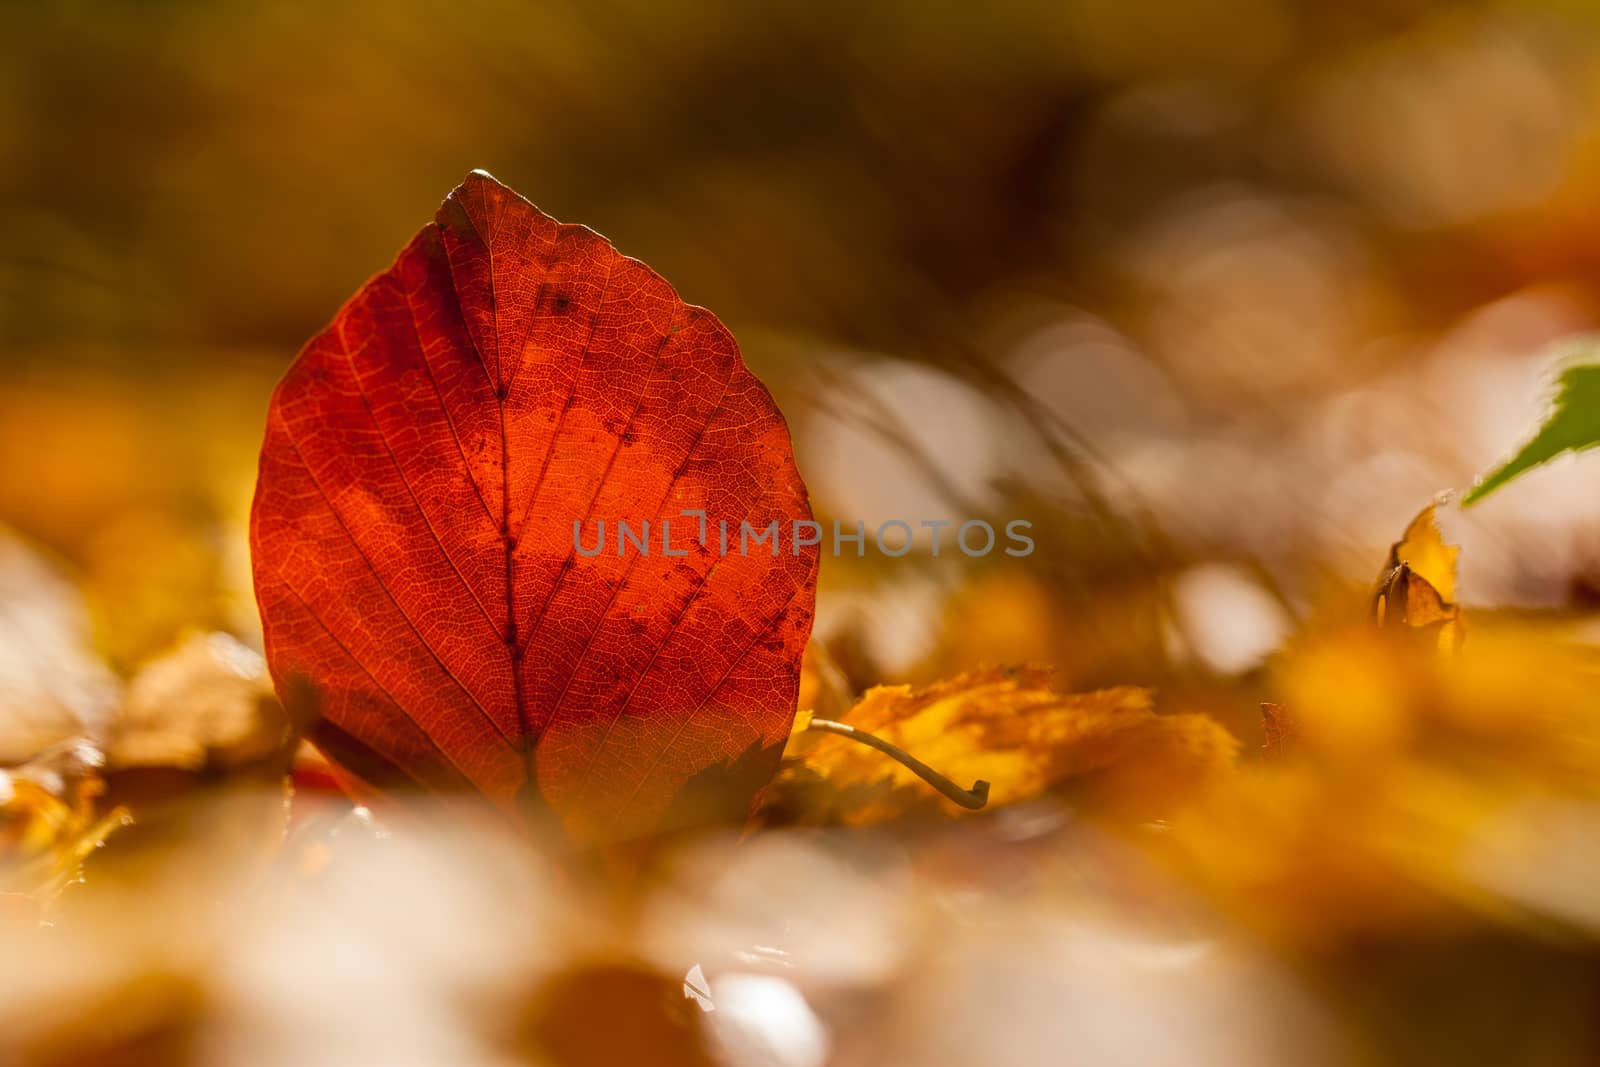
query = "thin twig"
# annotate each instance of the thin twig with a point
(971, 799)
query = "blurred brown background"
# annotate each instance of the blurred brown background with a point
(1216, 295)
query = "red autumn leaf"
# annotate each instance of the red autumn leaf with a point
(426, 458)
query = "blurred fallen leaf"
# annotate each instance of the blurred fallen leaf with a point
(200, 752)
(48, 820)
(208, 702)
(1386, 771)
(1414, 593)
(52, 686)
(573, 1020)
(1007, 727)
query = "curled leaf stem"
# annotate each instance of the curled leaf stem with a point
(971, 799)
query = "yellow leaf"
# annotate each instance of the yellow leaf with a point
(1417, 588)
(1006, 727)
(1424, 551)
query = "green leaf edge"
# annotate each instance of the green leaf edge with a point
(1572, 424)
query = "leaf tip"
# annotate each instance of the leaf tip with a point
(479, 186)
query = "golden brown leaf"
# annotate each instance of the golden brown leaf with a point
(1422, 548)
(1418, 585)
(1006, 727)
